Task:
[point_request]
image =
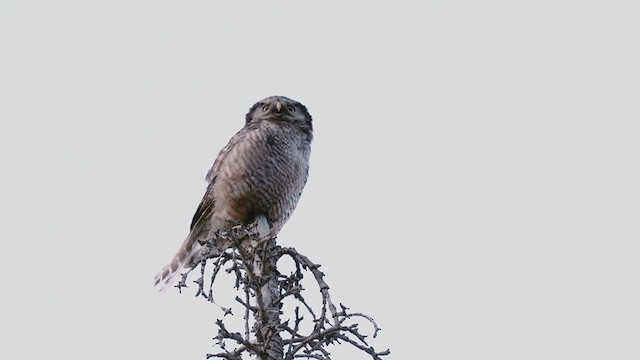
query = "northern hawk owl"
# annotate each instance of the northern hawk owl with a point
(259, 174)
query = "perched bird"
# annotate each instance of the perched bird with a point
(258, 175)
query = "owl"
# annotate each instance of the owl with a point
(258, 176)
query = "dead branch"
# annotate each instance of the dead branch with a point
(307, 333)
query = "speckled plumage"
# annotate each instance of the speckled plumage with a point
(260, 172)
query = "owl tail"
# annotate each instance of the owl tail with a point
(187, 255)
(190, 253)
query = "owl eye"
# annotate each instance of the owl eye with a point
(291, 108)
(265, 107)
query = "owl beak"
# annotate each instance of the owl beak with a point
(278, 106)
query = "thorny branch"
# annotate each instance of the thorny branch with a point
(301, 338)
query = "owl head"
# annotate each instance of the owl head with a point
(281, 110)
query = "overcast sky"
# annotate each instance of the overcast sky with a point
(473, 186)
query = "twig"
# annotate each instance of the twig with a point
(252, 262)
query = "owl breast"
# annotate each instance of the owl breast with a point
(264, 173)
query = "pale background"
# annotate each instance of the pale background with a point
(474, 182)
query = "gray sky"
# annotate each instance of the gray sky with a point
(474, 181)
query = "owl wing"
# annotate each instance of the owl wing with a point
(205, 208)
(200, 227)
